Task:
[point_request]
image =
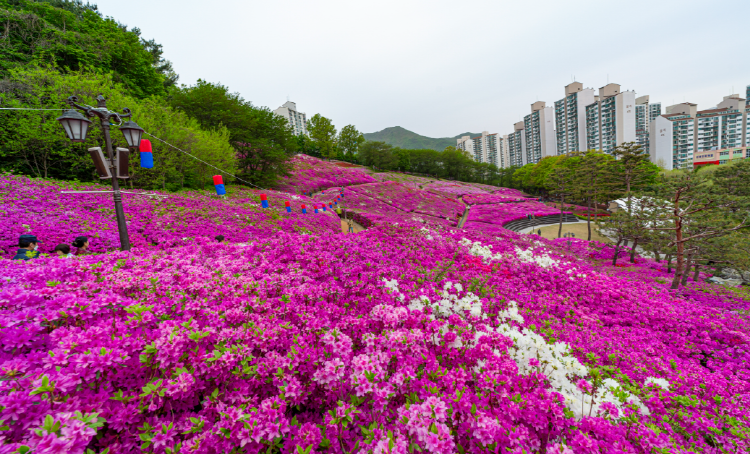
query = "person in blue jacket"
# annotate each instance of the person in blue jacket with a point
(28, 245)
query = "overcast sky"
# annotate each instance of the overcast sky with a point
(440, 68)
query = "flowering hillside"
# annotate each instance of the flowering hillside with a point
(311, 174)
(408, 199)
(39, 207)
(413, 336)
(405, 179)
(462, 342)
(502, 213)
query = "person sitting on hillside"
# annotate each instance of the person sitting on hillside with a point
(82, 243)
(63, 250)
(219, 238)
(28, 245)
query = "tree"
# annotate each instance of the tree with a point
(589, 181)
(560, 182)
(72, 36)
(695, 207)
(349, 141)
(631, 169)
(263, 141)
(323, 134)
(378, 155)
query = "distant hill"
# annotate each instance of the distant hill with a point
(403, 138)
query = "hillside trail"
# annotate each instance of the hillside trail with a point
(345, 222)
(465, 216)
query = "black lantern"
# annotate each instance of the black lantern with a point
(76, 125)
(132, 133)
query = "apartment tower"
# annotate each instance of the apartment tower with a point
(610, 119)
(570, 118)
(517, 145)
(297, 120)
(484, 148)
(539, 129)
(645, 113)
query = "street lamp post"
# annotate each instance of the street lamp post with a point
(76, 126)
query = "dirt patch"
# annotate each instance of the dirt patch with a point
(345, 227)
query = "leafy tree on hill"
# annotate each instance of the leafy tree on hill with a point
(71, 36)
(323, 134)
(589, 181)
(349, 141)
(263, 141)
(631, 169)
(695, 208)
(561, 184)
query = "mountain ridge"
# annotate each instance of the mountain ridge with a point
(403, 138)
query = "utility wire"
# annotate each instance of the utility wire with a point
(198, 159)
(25, 108)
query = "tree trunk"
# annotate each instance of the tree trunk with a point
(686, 272)
(657, 256)
(680, 265)
(588, 221)
(697, 274)
(669, 263)
(617, 252)
(562, 205)
(632, 251)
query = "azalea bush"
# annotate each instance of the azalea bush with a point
(453, 189)
(405, 179)
(160, 220)
(411, 336)
(482, 199)
(311, 174)
(408, 199)
(397, 339)
(503, 213)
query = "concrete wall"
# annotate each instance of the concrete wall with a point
(660, 142)
(625, 124)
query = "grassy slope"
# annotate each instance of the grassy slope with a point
(403, 138)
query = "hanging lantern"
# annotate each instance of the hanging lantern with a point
(132, 133)
(263, 201)
(304, 210)
(219, 185)
(76, 125)
(147, 157)
(288, 206)
(316, 208)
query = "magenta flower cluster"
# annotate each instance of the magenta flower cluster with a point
(313, 174)
(380, 342)
(41, 208)
(413, 336)
(482, 199)
(502, 213)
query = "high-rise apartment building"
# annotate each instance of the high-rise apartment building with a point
(672, 137)
(539, 129)
(610, 119)
(485, 148)
(645, 113)
(685, 137)
(505, 154)
(297, 120)
(747, 96)
(517, 145)
(570, 118)
(721, 127)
